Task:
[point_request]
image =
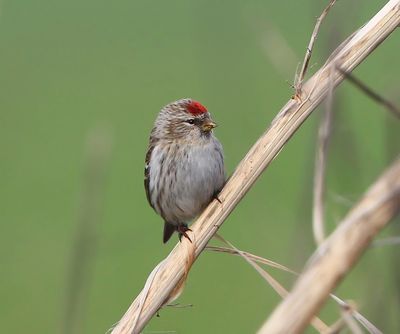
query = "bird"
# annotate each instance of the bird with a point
(184, 165)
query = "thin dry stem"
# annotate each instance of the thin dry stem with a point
(348, 55)
(344, 305)
(389, 241)
(371, 93)
(316, 322)
(350, 322)
(324, 133)
(338, 254)
(337, 326)
(253, 257)
(300, 77)
(371, 328)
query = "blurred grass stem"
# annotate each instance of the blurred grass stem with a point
(371, 93)
(345, 306)
(338, 254)
(96, 158)
(321, 156)
(316, 322)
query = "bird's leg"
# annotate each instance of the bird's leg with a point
(182, 229)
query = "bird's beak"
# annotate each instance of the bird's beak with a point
(208, 125)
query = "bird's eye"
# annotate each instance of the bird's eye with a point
(190, 121)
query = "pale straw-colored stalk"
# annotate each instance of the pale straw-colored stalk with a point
(335, 257)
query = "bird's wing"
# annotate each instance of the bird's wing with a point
(150, 149)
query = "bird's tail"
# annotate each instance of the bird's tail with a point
(169, 229)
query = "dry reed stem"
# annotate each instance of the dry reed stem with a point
(343, 305)
(337, 255)
(299, 79)
(321, 154)
(252, 257)
(389, 241)
(347, 318)
(348, 55)
(353, 325)
(324, 133)
(370, 327)
(337, 327)
(316, 322)
(371, 93)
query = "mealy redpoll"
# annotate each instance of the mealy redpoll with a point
(184, 168)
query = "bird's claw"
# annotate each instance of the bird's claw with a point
(182, 229)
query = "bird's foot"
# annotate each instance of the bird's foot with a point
(215, 196)
(182, 229)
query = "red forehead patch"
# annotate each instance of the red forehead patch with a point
(196, 108)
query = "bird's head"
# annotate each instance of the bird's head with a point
(185, 119)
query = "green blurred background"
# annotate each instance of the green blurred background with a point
(68, 66)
